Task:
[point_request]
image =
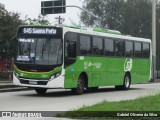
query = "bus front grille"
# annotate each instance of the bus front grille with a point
(30, 82)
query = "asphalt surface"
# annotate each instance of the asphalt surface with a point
(14, 98)
(7, 86)
(64, 100)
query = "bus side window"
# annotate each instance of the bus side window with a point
(97, 48)
(85, 45)
(109, 47)
(70, 51)
(146, 50)
(119, 48)
(138, 50)
(129, 49)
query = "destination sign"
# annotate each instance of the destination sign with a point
(39, 31)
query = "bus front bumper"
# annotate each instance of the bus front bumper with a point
(51, 84)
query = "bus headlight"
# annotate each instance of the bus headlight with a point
(52, 77)
(58, 74)
(16, 74)
(55, 75)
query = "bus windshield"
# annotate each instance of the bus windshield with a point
(40, 51)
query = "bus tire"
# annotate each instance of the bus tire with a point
(41, 91)
(80, 86)
(126, 82)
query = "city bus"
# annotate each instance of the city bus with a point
(77, 58)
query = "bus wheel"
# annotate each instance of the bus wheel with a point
(126, 82)
(40, 91)
(80, 86)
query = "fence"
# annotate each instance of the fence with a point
(6, 68)
(6, 65)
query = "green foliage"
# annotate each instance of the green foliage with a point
(4, 75)
(141, 104)
(109, 109)
(41, 20)
(9, 22)
(131, 17)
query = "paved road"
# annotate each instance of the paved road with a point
(63, 100)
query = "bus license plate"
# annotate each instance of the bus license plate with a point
(33, 82)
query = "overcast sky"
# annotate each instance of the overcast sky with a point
(32, 8)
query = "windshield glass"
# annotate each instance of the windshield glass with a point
(44, 51)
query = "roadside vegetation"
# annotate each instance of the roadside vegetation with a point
(9, 22)
(4, 76)
(149, 105)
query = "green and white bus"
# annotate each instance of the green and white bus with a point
(49, 57)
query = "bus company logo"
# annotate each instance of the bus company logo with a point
(128, 64)
(90, 64)
(87, 64)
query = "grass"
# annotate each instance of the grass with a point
(105, 109)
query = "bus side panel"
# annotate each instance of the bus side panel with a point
(73, 72)
(107, 71)
(103, 71)
(115, 70)
(140, 71)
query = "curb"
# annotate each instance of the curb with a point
(8, 86)
(2, 86)
(15, 89)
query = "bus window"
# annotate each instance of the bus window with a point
(146, 51)
(85, 45)
(109, 47)
(70, 44)
(70, 49)
(97, 48)
(138, 50)
(128, 49)
(119, 48)
(70, 36)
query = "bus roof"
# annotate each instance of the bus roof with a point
(95, 31)
(105, 33)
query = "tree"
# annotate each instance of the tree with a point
(41, 20)
(158, 35)
(9, 22)
(131, 17)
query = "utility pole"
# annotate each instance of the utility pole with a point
(60, 19)
(154, 39)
